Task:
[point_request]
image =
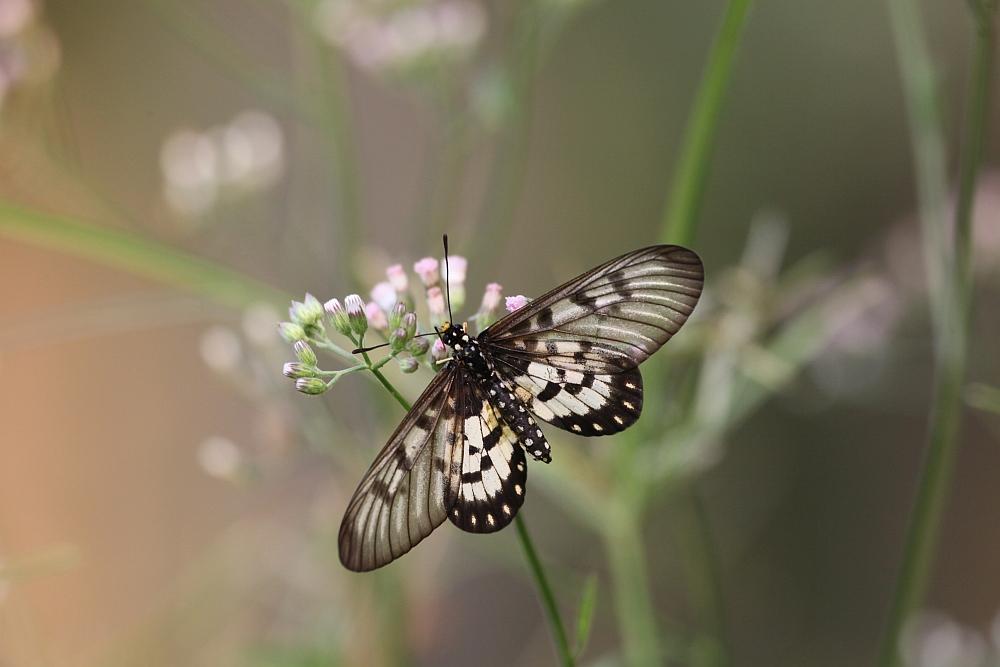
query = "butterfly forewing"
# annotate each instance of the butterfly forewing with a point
(574, 352)
(413, 482)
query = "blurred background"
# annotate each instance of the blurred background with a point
(172, 172)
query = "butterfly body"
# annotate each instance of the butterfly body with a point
(570, 358)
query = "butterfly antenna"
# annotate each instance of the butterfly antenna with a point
(447, 282)
(359, 350)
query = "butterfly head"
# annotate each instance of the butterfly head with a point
(452, 335)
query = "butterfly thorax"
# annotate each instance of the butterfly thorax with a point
(467, 349)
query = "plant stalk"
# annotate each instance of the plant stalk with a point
(545, 592)
(946, 411)
(688, 189)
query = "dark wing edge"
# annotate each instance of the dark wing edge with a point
(413, 483)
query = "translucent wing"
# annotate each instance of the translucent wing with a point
(413, 482)
(493, 467)
(573, 353)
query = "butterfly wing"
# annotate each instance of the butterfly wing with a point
(413, 482)
(493, 467)
(574, 352)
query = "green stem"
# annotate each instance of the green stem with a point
(622, 536)
(545, 591)
(705, 571)
(946, 412)
(686, 193)
(138, 256)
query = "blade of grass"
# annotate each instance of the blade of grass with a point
(585, 617)
(136, 255)
(559, 637)
(946, 410)
(688, 189)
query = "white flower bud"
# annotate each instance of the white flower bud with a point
(305, 353)
(439, 350)
(397, 339)
(356, 314)
(311, 386)
(296, 370)
(338, 316)
(396, 316)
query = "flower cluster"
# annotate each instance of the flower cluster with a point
(391, 315)
(29, 50)
(395, 39)
(224, 162)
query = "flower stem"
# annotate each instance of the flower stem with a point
(687, 191)
(545, 591)
(946, 412)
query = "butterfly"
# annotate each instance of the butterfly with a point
(570, 358)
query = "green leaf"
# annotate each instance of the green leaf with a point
(585, 617)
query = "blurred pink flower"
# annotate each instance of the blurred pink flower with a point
(516, 302)
(427, 269)
(377, 317)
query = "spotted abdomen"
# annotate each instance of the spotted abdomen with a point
(514, 412)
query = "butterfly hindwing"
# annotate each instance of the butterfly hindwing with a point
(493, 467)
(413, 482)
(580, 402)
(574, 352)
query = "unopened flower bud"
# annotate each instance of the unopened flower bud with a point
(397, 278)
(311, 386)
(397, 339)
(439, 350)
(308, 312)
(305, 353)
(338, 316)
(489, 307)
(356, 314)
(396, 316)
(408, 365)
(516, 302)
(427, 269)
(410, 324)
(376, 317)
(291, 332)
(384, 295)
(435, 302)
(418, 347)
(296, 370)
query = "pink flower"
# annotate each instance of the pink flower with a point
(427, 269)
(376, 317)
(435, 302)
(516, 302)
(491, 299)
(397, 278)
(384, 295)
(438, 350)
